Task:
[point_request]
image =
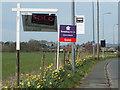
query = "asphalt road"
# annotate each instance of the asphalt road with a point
(103, 75)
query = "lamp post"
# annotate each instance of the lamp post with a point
(113, 33)
(104, 21)
(103, 31)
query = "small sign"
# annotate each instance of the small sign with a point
(80, 24)
(67, 33)
(93, 43)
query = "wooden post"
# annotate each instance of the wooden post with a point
(43, 63)
(64, 58)
(78, 53)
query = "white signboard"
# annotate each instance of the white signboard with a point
(80, 24)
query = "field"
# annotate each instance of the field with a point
(29, 62)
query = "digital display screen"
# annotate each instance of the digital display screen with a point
(44, 19)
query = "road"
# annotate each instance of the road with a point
(103, 75)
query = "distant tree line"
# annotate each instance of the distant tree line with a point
(40, 45)
(30, 46)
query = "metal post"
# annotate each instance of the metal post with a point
(113, 34)
(93, 31)
(64, 51)
(73, 44)
(18, 45)
(98, 29)
(103, 52)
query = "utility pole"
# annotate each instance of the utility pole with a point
(93, 30)
(73, 44)
(98, 29)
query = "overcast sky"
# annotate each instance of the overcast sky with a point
(64, 17)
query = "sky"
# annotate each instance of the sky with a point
(64, 16)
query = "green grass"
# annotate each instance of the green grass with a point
(29, 62)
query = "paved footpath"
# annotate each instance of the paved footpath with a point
(98, 77)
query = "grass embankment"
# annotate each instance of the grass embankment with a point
(82, 71)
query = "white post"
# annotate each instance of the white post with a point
(58, 48)
(18, 44)
(18, 28)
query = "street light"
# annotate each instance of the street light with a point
(103, 22)
(103, 30)
(113, 33)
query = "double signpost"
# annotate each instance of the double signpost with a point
(68, 34)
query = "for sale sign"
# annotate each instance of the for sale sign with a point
(67, 33)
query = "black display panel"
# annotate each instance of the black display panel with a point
(47, 23)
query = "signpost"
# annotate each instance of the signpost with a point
(66, 33)
(19, 10)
